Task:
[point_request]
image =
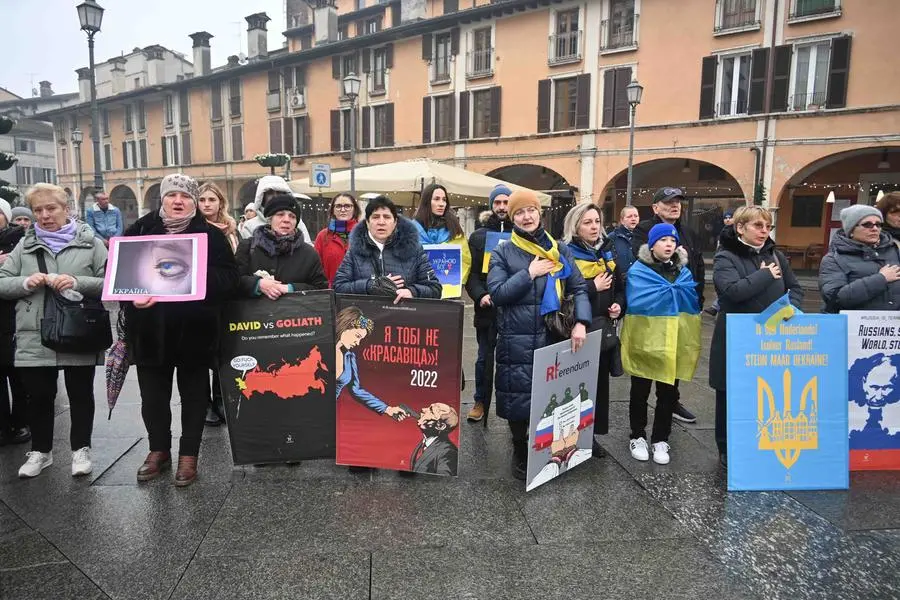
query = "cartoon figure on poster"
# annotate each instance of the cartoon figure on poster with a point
(875, 402)
(559, 428)
(436, 453)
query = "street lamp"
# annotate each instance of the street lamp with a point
(77, 138)
(91, 16)
(634, 91)
(351, 92)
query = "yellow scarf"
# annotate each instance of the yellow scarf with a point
(592, 268)
(552, 254)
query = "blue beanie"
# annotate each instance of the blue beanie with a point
(661, 230)
(499, 189)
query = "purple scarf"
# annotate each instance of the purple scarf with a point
(57, 240)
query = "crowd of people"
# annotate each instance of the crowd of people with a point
(531, 291)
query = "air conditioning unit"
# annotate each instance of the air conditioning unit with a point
(295, 98)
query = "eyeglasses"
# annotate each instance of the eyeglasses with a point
(870, 225)
(343, 207)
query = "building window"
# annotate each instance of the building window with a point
(64, 160)
(481, 54)
(107, 157)
(451, 6)
(137, 83)
(565, 96)
(810, 76)
(142, 153)
(736, 14)
(128, 122)
(565, 44)
(443, 118)
(218, 137)
(348, 65)
(28, 146)
(301, 135)
(234, 98)
(734, 84)
(237, 142)
(129, 155)
(170, 150)
(346, 123)
(373, 25)
(216, 101)
(379, 67)
(169, 111)
(104, 122)
(24, 176)
(59, 131)
(380, 126)
(343, 31)
(360, 4)
(814, 8)
(273, 97)
(142, 116)
(442, 42)
(184, 113)
(481, 114)
(807, 211)
(619, 29)
(74, 120)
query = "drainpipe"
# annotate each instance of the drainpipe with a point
(756, 174)
(761, 155)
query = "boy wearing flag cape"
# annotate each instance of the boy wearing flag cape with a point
(660, 336)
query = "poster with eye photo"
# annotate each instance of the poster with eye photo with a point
(169, 268)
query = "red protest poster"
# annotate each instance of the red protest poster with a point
(397, 382)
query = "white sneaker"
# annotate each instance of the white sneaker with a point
(639, 449)
(81, 462)
(37, 462)
(661, 453)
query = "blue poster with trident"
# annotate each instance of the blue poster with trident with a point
(787, 401)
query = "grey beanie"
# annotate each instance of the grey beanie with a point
(852, 215)
(22, 211)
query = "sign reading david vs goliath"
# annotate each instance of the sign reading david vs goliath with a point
(277, 374)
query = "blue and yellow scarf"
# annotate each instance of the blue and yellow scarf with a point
(592, 262)
(555, 286)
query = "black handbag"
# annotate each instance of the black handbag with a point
(73, 326)
(561, 322)
(610, 334)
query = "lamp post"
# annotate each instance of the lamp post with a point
(351, 92)
(77, 138)
(634, 90)
(91, 15)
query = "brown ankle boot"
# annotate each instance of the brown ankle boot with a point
(187, 471)
(154, 465)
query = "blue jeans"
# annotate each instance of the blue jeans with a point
(484, 364)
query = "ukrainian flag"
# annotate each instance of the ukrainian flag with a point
(660, 337)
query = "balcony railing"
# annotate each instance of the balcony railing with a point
(479, 63)
(737, 20)
(736, 107)
(565, 48)
(812, 8)
(617, 34)
(812, 101)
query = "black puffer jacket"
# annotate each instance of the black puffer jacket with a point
(849, 277)
(403, 255)
(183, 333)
(601, 301)
(9, 237)
(476, 286)
(299, 267)
(520, 327)
(743, 287)
(686, 238)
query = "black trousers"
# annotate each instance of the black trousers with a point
(156, 398)
(721, 422)
(666, 398)
(16, 415)
(484, 364)
(601, 404)
(41, 385)
(519, 431)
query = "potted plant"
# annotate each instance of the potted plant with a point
(7, 160)
(272, 160)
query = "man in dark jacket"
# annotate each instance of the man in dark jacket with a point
(667, 209)
(436, 453)
(13, 416)
(622, 237)
(485, 313)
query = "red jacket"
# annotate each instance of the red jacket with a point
(331, 249)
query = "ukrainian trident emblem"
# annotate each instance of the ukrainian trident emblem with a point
(787, 432)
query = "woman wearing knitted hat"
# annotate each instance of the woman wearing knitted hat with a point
(437, 224)
(527, 279)
(333, 241)
(277, 260)
(244, 228)
(862, 268)
(22, 216)
(182, 336)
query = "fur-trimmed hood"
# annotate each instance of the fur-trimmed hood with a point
(404, 241)
(679, 259)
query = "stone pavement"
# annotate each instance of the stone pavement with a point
(613, 528)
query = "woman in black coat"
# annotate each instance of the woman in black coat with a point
(517, 279)
(277, 260)
(594, 255)
(13, 419)
(749, 275)
(163, 337)
(386, 258)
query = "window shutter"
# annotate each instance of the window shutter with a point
(366, 59)
(389, 124)
(142, 148)
(426, 120)
(125, 156)
(218, 144)
(300, 77)
(335, 130)
(306, 147)
(175, 160)
(366, 127)
(426, 47)
(838, 73)
(356, 62)
(336, 66)
(288, 126)
(274, 80)
(237, 143)
(275, 136)
(543, 116)
(165, 151)
(454, 41)
(452, 116)
(495, 111)
(464, 98)
(389, 56)
(396, 15)
(583, 101)
(360, 27)
(759, 70)
(186, 148)
(621, 108)
(781, 78)
(609, 97)
(708, 87)
(288, 77)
